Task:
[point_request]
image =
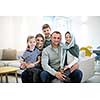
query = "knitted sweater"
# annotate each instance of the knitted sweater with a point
(51, 59)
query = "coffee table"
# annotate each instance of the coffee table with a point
(7, 70)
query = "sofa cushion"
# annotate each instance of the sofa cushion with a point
(2, 64)
(15, 63)
(9, 54)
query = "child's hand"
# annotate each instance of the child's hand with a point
(22, 66)
(74, 67)
(30, 65)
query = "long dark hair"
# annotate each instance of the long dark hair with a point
(39, 35)
(67, 33)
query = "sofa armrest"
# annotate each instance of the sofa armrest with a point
(87, 66)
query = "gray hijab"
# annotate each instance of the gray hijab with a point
(72, 48)
(72, 43)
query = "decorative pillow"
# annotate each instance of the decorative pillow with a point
(87, 51)
(9, 54)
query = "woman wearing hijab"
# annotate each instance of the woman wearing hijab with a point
(69, 59)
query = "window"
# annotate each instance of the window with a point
(59, 23)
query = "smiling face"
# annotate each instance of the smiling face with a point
(39, 42)
(56, 39)
(68, 38)
(31, 43)
(47, 32)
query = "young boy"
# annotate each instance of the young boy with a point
(46, 30)
(30, 60)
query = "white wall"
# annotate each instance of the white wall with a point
(15, 29)
(6, 32)
(86, 32)
(94, 30)
(25, 26)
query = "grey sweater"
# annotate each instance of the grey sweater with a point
(51, 59)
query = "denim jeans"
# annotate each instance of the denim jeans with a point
(46, 77)
(75, 76)
(31, 75)
(26, 76)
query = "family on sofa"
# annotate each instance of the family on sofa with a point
(46, 59)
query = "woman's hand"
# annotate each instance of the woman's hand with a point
(74, 67)
(66, 67)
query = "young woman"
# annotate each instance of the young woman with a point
(39, 41)
(69, 60)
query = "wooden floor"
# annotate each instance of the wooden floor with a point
(11, 79)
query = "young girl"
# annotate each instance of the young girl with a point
(29, 60)
(70, 58)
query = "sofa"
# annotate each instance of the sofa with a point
(87, 66)
(9, 57)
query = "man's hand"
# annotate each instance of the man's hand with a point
(61, 70)
(74, 67)
(60, 76)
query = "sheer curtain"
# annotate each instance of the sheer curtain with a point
(25, 26)
(59, 23)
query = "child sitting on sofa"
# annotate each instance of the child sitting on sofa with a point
(30, 60)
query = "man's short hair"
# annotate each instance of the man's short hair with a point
(45, 26)
(57, 32)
